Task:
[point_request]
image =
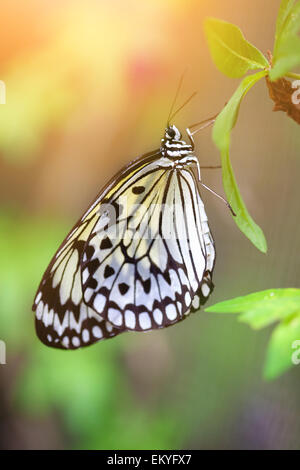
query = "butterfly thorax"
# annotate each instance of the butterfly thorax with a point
(173, 146)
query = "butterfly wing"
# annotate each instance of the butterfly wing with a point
(140, 268)
(150, 254)
(62, 318)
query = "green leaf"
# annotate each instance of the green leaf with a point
(260, 309)
(231, 52)
(221, 136)
(283, 13)
(284, 348)
(286, 53)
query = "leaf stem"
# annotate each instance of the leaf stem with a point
(293, 75)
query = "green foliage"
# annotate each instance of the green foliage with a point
(286, 54)
(235, 56)
(221, 135)
(262, 309)
(281, 347)
(231, 52)
(284, 11)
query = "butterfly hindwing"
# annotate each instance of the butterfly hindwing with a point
(143, 266)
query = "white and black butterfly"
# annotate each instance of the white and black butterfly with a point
(139, 259)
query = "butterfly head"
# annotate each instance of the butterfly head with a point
(172, 133)
(173, 145)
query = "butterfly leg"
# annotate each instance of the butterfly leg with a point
(194, 161)
(220, 197)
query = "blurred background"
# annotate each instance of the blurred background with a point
(88, 88)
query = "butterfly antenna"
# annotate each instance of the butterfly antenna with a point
(182, 106)
(175, 98)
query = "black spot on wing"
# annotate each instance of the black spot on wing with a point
(91, 283)
(147, 285)
(166, 276)
(92, 265)
(106, 243)
(138, 189)
(108, 271)
(123, 288)
(89, 251)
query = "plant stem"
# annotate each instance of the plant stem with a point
(293, 75)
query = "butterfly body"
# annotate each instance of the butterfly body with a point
(140, 258)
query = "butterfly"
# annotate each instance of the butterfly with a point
(140, 258)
